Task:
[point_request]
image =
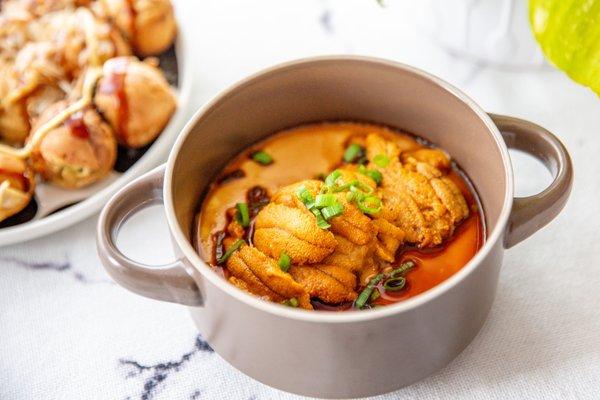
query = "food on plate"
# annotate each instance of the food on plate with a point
(72, 88)
(149, 25)
(76, 152)
(135, 99)
(16, 185)
(368, 217)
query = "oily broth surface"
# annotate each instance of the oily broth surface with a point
(309, 150)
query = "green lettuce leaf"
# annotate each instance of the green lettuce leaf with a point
(569, 34)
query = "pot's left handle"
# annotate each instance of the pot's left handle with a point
(169, 282)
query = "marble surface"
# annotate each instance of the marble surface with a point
(68, 332)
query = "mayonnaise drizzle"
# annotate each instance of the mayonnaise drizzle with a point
(90, 79)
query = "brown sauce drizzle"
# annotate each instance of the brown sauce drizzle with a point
(257, 197)
(114, 84)
(132, 15)
(77, 126)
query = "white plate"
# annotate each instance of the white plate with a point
(101, 191)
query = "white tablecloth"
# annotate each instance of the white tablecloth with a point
(68, 332)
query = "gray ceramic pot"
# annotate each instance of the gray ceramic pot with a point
(350, 354)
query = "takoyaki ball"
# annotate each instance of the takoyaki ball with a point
(27, 85)
(16, 185)
(148, 24)
(37, 8)
(76, 153)
(66, 31)
(13, 35)
(135, 98)
(42, 98)
(14, 123)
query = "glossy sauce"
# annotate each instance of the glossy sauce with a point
(114, 85)
(77, 126)
(304, 153)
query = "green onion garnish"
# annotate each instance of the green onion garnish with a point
(262, 157)
(321, 222)
(359, 187)
(394, 284)
(243, 215)
(381, 160)
(364, 296)
(350, 196)
(284, 262)
(325, 200)
(234, 247)
(375, 175)
(293, 302)
(332, 211)
(332, 177)
(353, 152)
(345, 186)
(402, 269)
(369, 204)
(306, 197)
(374, 296)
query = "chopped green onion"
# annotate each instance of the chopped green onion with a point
(234, 247)
(394, 284)
(293, 302)
(374, 296)
(262, 157)
(402, 269)
(381, 160)
(375, 175)
(353, 152)
(306, 197)
(356, 190)
(243, 215)
(371, 173)
(332, 211)
(364, 187)
(369, 204)
(345, 186)
(321, 222)
(364, 296)
(284, 262)
(332, 177)
(325, 200)
(350, 196)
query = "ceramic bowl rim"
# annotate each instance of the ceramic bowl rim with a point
(181, 238)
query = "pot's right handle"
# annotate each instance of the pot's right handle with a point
(169, 282)
(529, 214)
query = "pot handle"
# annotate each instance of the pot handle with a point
(531, 213)
(169, 282)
